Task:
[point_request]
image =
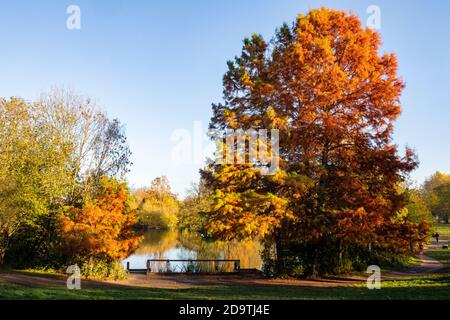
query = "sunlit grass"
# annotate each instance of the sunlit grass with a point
(442, 256)
(443, 229)
(430, 287)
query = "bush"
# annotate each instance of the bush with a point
(101, 269)
(297, 260)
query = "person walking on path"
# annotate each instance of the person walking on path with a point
(436, 235)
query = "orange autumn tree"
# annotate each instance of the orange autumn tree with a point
(102, 229)
(335, 199)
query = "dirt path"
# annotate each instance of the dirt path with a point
(34, 280)
(426, 266)
(44, 280)
(176, 281)
(190, 281)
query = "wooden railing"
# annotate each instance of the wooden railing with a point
(189, 266)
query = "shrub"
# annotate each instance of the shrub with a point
(102, 269)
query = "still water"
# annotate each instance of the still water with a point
(175, 244)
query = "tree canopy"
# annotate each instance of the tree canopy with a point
(103, 227)
(436, 195)
(54, 153)
(334, 98)
(157, 206)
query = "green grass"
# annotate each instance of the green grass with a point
(431, 287)
(442, 256)
(443, 229)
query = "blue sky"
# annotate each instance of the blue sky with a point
(158, 65)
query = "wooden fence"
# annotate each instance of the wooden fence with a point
(199, 266)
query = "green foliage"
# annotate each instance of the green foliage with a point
(441, 204)
(434, 181)
(443, 230)
(442, 256)
(35, 245)
(437, 195)
(417, 207)
(34, 176)
(298, 260)
(102, 269)
(157, 206)
(194, 208)
(53, 153)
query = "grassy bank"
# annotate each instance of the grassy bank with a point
(443, 229)
(431, 287)
(442, 256)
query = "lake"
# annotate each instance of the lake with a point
(182, 245)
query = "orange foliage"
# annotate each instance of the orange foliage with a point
(103, 227)
(334, 98)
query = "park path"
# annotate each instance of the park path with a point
(173, 281)
(426, 266)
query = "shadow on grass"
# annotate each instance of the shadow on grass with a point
(431, 287)
(442, 256)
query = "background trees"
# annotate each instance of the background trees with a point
(157, 206)
(441, 204)
(34, 176)
(53, 153)
(417, 208)
(436, 193)
(323, 84)
(430, 201)
(98, 145)
(194, 207)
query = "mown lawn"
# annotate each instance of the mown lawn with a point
(440, 255)
(431, 287)
(443, 230)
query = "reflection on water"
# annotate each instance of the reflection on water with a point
(174, 244)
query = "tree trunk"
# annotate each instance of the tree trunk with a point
(341, 252)
(280, 261)
(2, 255)
(316, 264)
(4, 244)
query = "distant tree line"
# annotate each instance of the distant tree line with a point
(435, 193)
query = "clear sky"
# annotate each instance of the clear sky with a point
(158, 65)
